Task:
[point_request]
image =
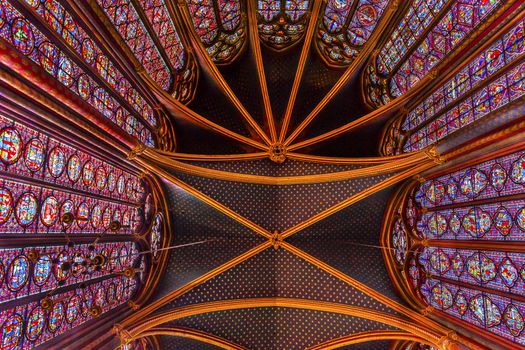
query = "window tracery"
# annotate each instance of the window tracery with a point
(452, 261)
(488, 82)
(345, 27)
(31, 42)
(163, 25)
(221, 27)
(50, 188)
(282, 23)
(428, 32)
(61, 21)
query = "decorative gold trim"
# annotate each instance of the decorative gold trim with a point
(312, 24)
(182, 111)
(209, 66)
(256, 47)
(413, 315)
(212, 157)
(208, 200)
(394, 165)
(340, 160)
(357, 197)
(382, 112)
(363, 337)
(432, 336)
(352, 69)
(194, 334)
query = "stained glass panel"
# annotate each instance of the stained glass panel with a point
(130, 27)
(346, 26)
(281, 23)
(220, 26)
(31, 42)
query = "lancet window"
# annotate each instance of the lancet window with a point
(429, 32)
(67, 222)
(457, 245)
(220, 25)
(488, 82)
(282, 23)
(345, 27)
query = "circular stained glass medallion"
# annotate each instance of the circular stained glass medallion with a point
(88, 174)
(121, 184)
(112, 182)
(96, 216)
(88, 50)
(35, 323)
(73, 308)
(34, 154)
(56, 162)
(65, 71)
(23, 37)
(12, 332)
(26, 209)
(106, 217)
(6, 204)
(49, 211)
(56, 317)
(74, 168)
(42, 270)
(10, 145)
(84, 86)
(101, 178)
(82, 215)
(18, 273)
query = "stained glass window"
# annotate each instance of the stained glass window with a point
(127, 21)
(31, 42)
(162, 24)
(281, 23)
(64, 24)
(220, 26)
(489, 81)
(346, 26)
(91, 206)
(29, 325)
(428, 32)
(475, 281)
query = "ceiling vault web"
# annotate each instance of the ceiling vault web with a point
(310, 33)
(211, 68)
(192, 334)
(256, 48)
(434, 336)
(363, 337)
(349, 73)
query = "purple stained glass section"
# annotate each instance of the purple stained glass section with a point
(70, 309)
(30, 41)
(345, 27)
(454, 27)
(127, 21)
(507, 49)
(219, 25)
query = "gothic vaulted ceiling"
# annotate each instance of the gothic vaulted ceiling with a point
(268, 125)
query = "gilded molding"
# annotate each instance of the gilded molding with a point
(192, 334)
(312, 25)
(407, 325)
(256, 47)
(352, 69)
